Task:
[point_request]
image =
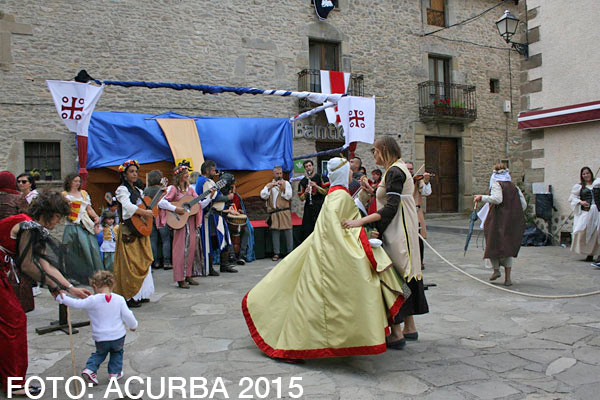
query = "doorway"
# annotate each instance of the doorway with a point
(441, 159)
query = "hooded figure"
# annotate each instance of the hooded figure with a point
(332, 296)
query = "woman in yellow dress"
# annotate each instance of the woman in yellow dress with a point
(133, 254)
(334, 295)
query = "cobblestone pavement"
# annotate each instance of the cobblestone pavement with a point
(476, 343)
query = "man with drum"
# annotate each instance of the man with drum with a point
(237, 221)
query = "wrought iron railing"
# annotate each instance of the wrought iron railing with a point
(440, 100)
(309, 80)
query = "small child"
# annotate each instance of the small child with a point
(107, 311)
(109, 239)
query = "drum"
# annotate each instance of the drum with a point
(237, 224)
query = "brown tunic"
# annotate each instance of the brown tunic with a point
(504, 224)
(280, 220)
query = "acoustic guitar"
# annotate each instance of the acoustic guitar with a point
(190, 205)
(142, 226)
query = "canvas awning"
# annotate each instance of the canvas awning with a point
(558, 116)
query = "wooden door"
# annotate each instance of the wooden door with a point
(441, 158)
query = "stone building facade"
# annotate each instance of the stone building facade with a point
(259, 44)
(562, 71)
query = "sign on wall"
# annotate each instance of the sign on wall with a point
(318, 132)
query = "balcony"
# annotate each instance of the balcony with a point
(447, 102)
(309, 80)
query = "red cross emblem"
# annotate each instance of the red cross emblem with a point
(356, 116)
(72, 108)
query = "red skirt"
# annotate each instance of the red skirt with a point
(13, 334)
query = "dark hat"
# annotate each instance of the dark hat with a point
(8, 182)
(83, 77)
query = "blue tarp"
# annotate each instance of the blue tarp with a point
(233, 143)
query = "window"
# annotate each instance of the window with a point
(436, 13)
(43, 156)
(494, 86)
(439, 69)
(322, 55)
(439, 73)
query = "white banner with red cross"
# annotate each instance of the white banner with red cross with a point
(357, 115)
(75, 103)
(334, 82)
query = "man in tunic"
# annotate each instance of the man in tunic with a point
(312, 191)
(278, 195)
(505, 222)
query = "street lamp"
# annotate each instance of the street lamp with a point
(507, 26)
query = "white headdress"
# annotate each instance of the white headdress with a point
(501, 175)
(338, 171)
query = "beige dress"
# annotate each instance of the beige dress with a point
(401, 237)
(586, 224)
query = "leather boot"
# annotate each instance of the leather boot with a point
(228, 268)
(183, 285)
(191, 281)
(225, 267)
(212, 272)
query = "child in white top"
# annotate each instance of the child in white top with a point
(109, 239)
(107, 312)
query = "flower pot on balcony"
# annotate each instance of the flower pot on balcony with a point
(459, 112)
(441, 110)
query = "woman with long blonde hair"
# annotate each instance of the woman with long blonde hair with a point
(398, 226)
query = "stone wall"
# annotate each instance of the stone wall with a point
(250, 43)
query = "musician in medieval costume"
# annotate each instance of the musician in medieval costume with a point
(422, 189)
(245, 244)
(278, 196)
(334, 295)
(83, 252)
(214, 230)
(160, 238)
(396, 221)
(184, 239)
(585, 201)
(133, 255)
(503, 223)
(27, 249)
(312, 191)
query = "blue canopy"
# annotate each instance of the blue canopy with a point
(233, 143)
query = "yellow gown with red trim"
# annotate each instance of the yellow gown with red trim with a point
(334, 295)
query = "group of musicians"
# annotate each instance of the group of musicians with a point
(196, 216)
